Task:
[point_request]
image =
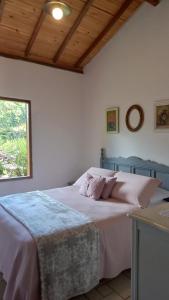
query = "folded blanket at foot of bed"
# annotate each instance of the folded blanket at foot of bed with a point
(67, 243)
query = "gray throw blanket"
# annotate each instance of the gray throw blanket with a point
(67, 243)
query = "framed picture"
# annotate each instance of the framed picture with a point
(162, 114)
(112, 120)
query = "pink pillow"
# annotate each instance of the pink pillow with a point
(84, 187)
(135, 189)
(95, 188)
(94, 172)
(109, 184)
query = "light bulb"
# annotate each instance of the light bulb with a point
(57, 13)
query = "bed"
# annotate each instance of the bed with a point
(18, 251)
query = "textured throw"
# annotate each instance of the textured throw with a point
(67, 243)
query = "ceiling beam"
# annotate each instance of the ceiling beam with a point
(153, 2)
(2, 4)
(72, 30)
(35, 32)
(48, 64)
(109, 26)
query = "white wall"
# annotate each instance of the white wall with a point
(132, 69)
(68, 109)
(56, 122)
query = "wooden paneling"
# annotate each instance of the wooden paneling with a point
(88, 30)
(26, 33)
(21, 15)
(35, 32)
(2, 3)
(52, 32)
(44, 62)
(72, 30)
(17, 23)
(121, 21)
(120, 11)
(108, 6)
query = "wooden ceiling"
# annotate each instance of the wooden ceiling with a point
(27, 33)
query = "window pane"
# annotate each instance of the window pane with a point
(14, 139)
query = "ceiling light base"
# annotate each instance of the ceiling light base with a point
(50, 6)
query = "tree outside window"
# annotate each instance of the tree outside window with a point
(15, 139)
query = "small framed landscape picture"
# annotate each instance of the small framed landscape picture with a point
(162, 114)
(112, 120)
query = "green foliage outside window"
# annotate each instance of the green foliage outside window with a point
(14, 150)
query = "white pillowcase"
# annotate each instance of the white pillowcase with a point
(135, 189)
(94, 172)
(159, 195)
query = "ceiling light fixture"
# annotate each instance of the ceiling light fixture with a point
(57, 9)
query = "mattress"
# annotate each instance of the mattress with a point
(19, 262)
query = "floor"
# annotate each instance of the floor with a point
(118, 288)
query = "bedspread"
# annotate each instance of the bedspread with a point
(67, 243)
(18, 251)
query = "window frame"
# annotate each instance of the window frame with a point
(29, 139)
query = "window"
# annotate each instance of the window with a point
(15, 139)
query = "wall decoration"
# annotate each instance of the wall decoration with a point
(140, 111)
(112, 120)
(162, 114)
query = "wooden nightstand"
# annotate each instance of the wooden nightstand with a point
(150, 253)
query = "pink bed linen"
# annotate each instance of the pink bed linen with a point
(18, 260)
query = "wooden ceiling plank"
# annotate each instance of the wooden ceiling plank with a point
(2, 4)
(153, 2)
(48, 64)
(113, 20)
(35, 32)
(77, 22)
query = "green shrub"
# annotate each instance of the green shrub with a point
(13, 138)
(16, 151)
(1, 169)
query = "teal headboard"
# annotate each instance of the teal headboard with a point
(137, 165)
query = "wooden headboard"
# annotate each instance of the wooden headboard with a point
(137, 165)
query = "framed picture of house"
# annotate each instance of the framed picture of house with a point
(112, 120)
(162, 114)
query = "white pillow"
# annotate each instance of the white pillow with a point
(94, 171)
(134, 188)
(158, 196)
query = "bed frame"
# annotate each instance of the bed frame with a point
(136, 165)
